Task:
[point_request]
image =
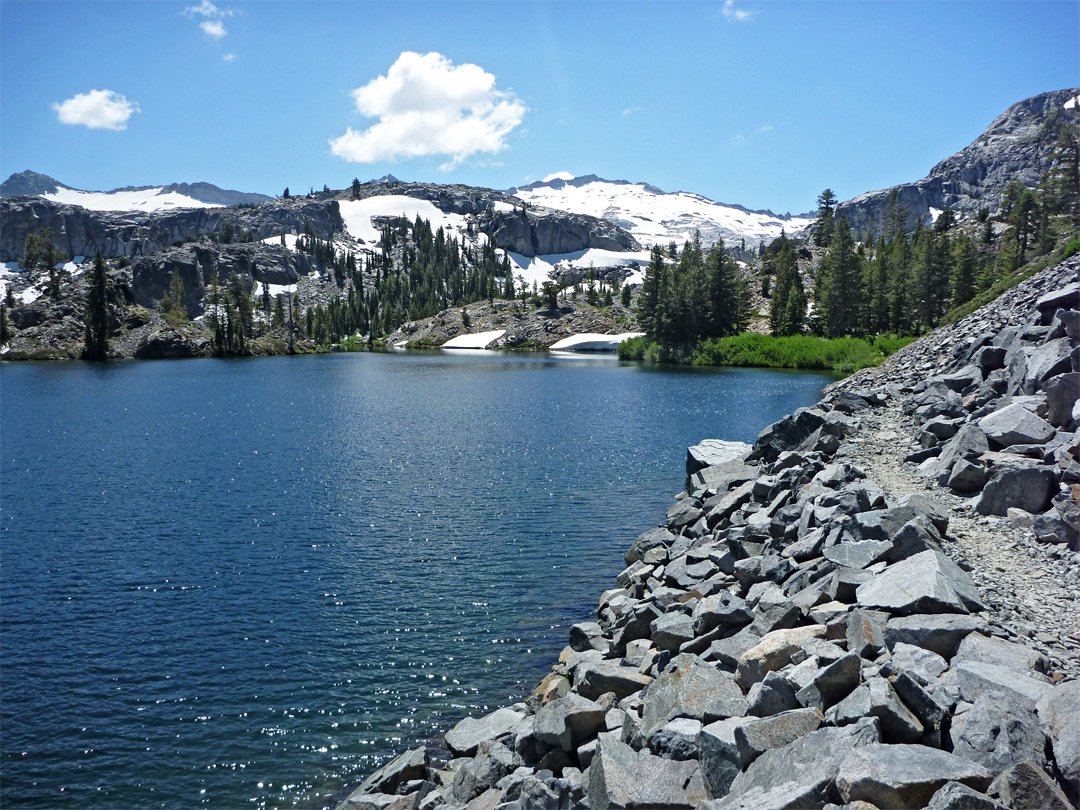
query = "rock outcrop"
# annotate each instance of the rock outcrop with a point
(812, 631)
(1016, 146)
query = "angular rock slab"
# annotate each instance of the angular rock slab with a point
(756, 736)
(591, 680)
(940, 633)
(690, 687)
(904, 777)
(1015, 424)
(1029, 488)
(997, 732)
(568, 722)
(925, 583)
(711, 452)
(464, 738)
(1059, 710)
(620, 777)
(808, 766)
(773, 652)
(410, 765)
(955, 796)
(1025, 786)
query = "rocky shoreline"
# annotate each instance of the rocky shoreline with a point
(875, 606)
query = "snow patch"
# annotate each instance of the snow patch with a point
(1071, 103)
(147, 199)
(592, 342)
(478, 340)
(934, 214)
(357, 215)
(539, 269)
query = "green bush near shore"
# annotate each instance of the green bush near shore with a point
(845, 354)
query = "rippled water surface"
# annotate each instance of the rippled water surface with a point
(245, 583)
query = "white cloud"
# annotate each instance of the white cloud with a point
(763, 129)
(737, 14)
(738, 139)
(426, 105)
(558, 176)
(207, 9)
(632, 110)
(229, 57)
(96, 109)
(213, 28)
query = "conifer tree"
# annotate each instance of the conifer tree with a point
(824, 224)
(96, 344)
(838, 295)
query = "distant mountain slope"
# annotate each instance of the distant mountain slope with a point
(129, 198)
(1016, 146)
(654, 216)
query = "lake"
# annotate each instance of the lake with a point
(232, 583)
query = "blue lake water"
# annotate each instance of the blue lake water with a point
(248, 582)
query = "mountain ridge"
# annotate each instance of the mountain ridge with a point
(36, 184)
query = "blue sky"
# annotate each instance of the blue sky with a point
(758, 103)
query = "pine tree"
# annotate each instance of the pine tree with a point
(825, 222)
(355, 188)
(650, 290)
(5, 325)
(963, 271)
(96, 345)
(838, 295)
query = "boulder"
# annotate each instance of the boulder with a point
(758, 735)
(772, 695)
(926, 582)
(1015, 424)
(593, 679)
(678, 739)
(997, 732)
(864, 634)
(410, 765)
(1062, 392)
(904, 777)
(922, 664)
(711, 452)
(464, 738)
(806, 768)
(654, 538)
(967, 477)
(1062, 298)
(1027, 488)
(976, 678)
(568, 722)
(955, 796)
(859, 554)
(690, 687)
(832, 683)
(620, 777)
(1059, 711)
(877, 698)
(672, 630)
(720, 762)
(939, 633)
(992, 650)
(724, 609)
(1025, 786)
(479, 774)
(772, 652)
(1046, 361)
(584, 635)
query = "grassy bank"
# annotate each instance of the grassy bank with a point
(765, 351)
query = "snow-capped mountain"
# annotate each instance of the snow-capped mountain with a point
(654, 216)
(137, 198)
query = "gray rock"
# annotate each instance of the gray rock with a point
(720, 762)
(991, 650)
(990, 358)
(976, 678)
(1015, 424)
(969, 443)
(1046, 361)
(593, 679)
(772, 652)
(939, 633)
(690, 687)
(859, 554)
(714, 451)
(967, 477)
(921, 703)
(678, 739)
(722, 609)
(672, 630)
(620, 777)
(924, 665)
(806, 767)
(997, 732)
(771, 696)
(683, 513)
(1025, 786)
(410, 765)
(926, 582)
(728, 651)
(568, 722)
(1062, 298)
(832, 683)
(1062, 392)
(881, 524)
(492, 762)
(931, 507)
(756, 736)
(904, 777)
(1027, 488)
(1059, 710)
(654, 538)
(955, 796)
(864, 634)
(877, 698)
(583, 636)
(464, 738)
(719, 478)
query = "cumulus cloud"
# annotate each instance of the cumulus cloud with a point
(229, 57)
(213, 28)
(427, 105)
(763, 128)
(212, 25)
(558, 176)
(632, 110)
(96, 109)
(736, 14)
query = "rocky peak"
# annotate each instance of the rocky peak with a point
(1017, 146)
(29, 183)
